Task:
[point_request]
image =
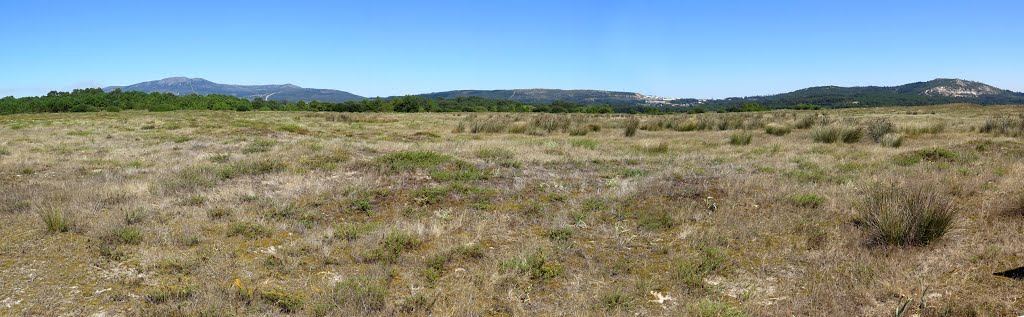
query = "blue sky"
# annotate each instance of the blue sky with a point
(699, 49)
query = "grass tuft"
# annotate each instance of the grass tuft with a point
(740, 138)
(57, 221)
(632, 124)
(906, 214)
(777, 129)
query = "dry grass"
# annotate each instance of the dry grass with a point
(327, 214)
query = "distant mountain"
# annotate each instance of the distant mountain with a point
(937, 91)
(545, 96)
(186, 86)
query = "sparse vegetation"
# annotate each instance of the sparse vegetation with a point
(351, 214)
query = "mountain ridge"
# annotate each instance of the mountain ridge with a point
(936, 91)
(289, 92)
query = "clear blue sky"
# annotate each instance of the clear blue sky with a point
(380, 48)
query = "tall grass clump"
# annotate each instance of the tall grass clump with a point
(906, 214)
(740, 138)
(879, 128)
(632, 124)
(834, 134)
(57, 221)
(777, 129)
(1004, 126)
(891, 140)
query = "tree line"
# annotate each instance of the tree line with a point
(95, 99)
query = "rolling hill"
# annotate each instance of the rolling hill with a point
(545, 96)
(937, 91)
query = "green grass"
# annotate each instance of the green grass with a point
(411, 161)
(249, 230)
(692, 271)
(560, 234)
(807, 200)
(709, 308)
(287, 302)
(127, 234)
(352, 231)
(259, 146)
(535, 265)
(392, 246)
(616, 300)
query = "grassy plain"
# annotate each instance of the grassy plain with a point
(778, 213)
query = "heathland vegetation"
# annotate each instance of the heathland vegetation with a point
(852, 212)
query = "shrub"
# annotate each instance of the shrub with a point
(906, 214)
(361, 293)
(879, 128)
(740, 138)
(57, 221)
(777, 129)
(632, 124)
(892, 140)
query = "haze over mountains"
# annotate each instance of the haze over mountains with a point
(937, 91)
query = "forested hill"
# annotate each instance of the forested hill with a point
(186, 86)
(938, 91)
(542, 96)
